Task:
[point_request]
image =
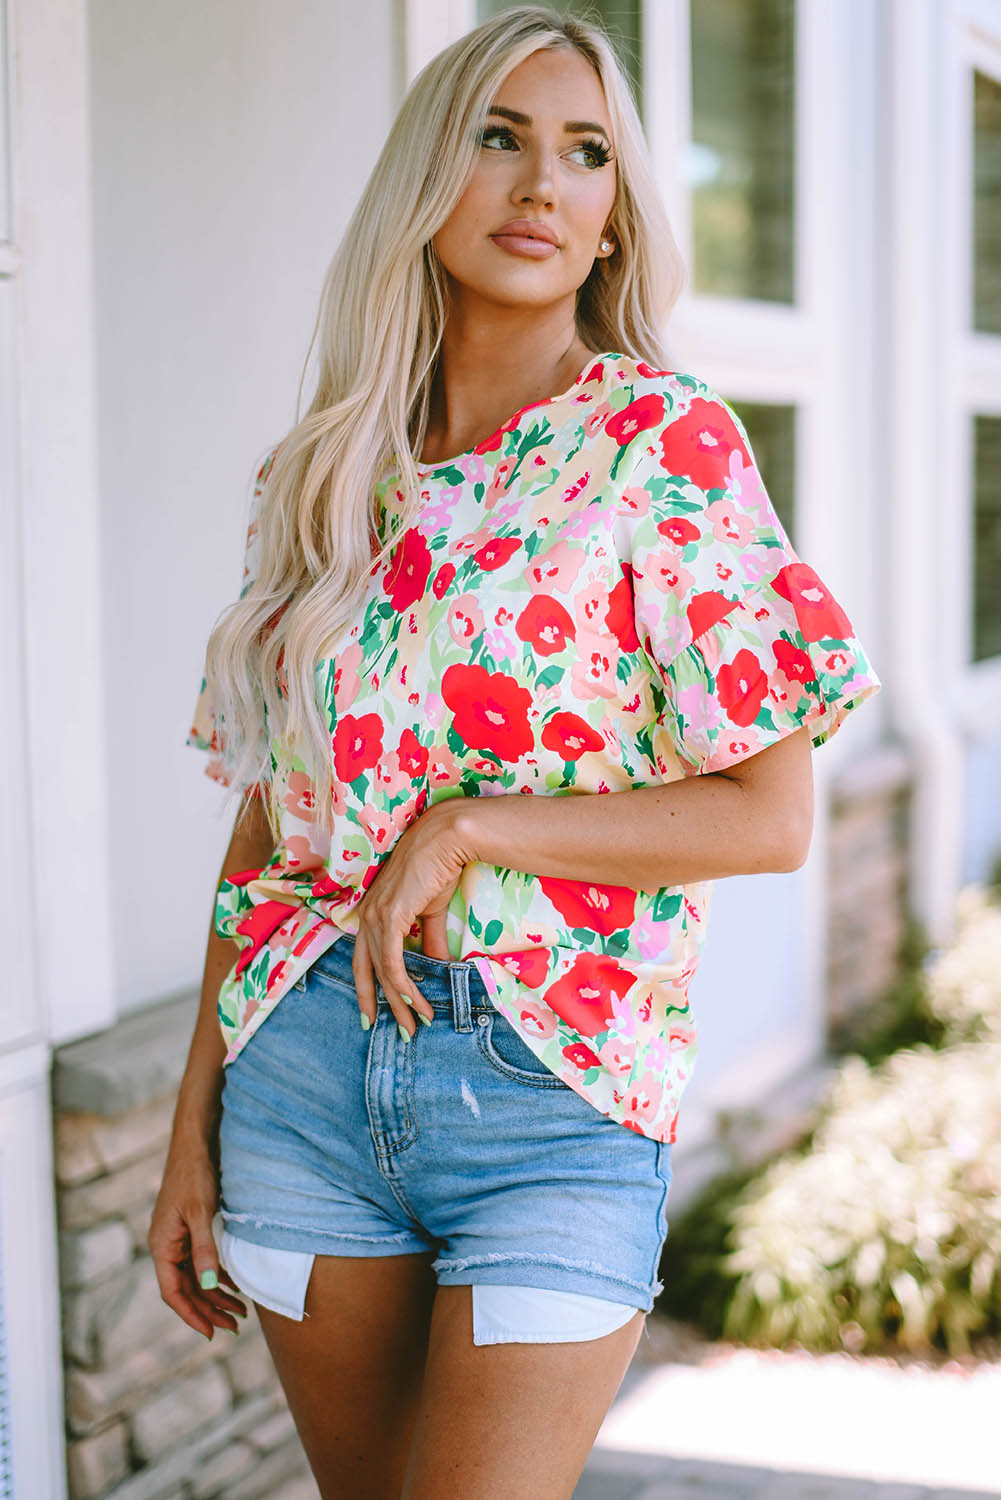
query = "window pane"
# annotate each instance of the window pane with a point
(620, 18)
(740, 167)
(771, 431)
(986, 204)
(986, 562)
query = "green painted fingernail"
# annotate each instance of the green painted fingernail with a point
(404, 1033)
(208, 1280)
(424, 1018)
(365, 1022)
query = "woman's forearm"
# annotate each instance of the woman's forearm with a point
(199, 1098)
(698, 828)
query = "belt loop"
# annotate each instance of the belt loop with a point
(462, 1016)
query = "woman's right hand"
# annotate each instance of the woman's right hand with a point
(183, 1247)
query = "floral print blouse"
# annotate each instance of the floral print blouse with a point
(598, 596)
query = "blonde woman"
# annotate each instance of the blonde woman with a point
(522, 662)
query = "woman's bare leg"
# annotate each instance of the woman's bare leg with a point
(352, 1370)
(509, 1421)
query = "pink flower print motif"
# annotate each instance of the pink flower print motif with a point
(593, 671)
(746, 481)
(300, 797)
(616, 1057)
(403, 815)
(555, 570)
(699, 708)
(434, 709)
(347, 683)
(635, 500)
(443, 769)
(300, 854)
(667, 573)
(473, 466)
(499, 645)
(651, 939)
(541, 1023)
(379, 826)
(643, 1100)
(389, 777)
(590, 606)
(471, 541)
(728, 524)
(595, 419)
(498, 483)
(465, 619)
(434, 518)
(673, 629)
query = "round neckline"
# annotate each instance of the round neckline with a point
(443, 463)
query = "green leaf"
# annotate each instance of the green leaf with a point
(492, 932)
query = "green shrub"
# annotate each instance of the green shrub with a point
(883, 1226)
(888, 1228)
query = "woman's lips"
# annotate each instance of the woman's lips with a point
(521, 244)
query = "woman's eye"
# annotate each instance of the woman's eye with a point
(493, 131)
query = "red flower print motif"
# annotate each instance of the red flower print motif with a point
(794, 662)
(599, 908)
(257, 926)
(698, 445)
(442, 579)
(580, 1054)
(679, 531)
(490, 710)
(412, 755)
(583, 996)
(545, 625)
(530, 966)
(644, 412)
(495, 553)
(357, 745)
(619, 620)
(742, 687)
(818, 614)
(706, 610)
(570, 736)
(408, 571)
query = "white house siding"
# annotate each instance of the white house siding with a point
(230, 144)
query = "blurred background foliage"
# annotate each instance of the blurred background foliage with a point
(881, 1228)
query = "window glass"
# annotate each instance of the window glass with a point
(620, 18)
(740, 164)
(986, 204)
(985, 591)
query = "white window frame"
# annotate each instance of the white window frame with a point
(972, 361)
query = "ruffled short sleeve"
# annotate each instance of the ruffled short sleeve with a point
(204, 733)
(745, 639)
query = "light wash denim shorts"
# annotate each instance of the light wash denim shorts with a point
(338, 1141)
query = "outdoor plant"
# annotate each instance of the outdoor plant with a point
(884, 1226)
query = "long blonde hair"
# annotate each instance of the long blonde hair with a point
(380, 322)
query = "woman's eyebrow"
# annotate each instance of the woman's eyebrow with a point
(572, 127)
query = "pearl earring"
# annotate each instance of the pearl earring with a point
(606, 245)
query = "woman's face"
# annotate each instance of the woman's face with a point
(546, 157)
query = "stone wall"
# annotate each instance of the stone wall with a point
(868, 892)
(154, 1411)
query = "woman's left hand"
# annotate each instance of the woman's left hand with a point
(416, 881)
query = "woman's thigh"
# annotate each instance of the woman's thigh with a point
(511, 1421)
(353, 1368)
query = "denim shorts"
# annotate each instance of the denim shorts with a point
(338, 1141)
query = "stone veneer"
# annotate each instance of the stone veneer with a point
(868, 891)
(154, 1411)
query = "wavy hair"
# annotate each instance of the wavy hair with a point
(380, 322)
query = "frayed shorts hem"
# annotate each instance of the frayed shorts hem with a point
(274, 1235)
(549, 1273)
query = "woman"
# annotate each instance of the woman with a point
(507, 556)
